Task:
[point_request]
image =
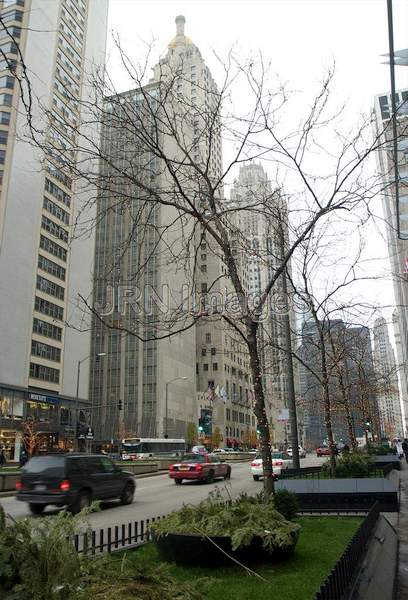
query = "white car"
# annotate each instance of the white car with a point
(302, 452)
(279, 464)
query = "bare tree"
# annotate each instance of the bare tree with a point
(158, 164)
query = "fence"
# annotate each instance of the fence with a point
(118, 537)
(344, 573)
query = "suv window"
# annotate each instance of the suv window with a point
(108, 465)
(77, 465)
(49, 465)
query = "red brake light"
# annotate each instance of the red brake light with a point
(65, 485)
(19, 485)
(278, 463)
(171, 468)
(254, 464)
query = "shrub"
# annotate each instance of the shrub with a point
(286, 503)
(379, 450)
(352, 464)
(241, 520)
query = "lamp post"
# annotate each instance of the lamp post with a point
(167, 392)
(99, 354)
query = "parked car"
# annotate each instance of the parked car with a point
(279, 464)
(199, 449)
(302, 452)
(199, 467)
(72, 480)
(323, 451)
(218, 450)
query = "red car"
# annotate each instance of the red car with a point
(200, 467)
(323, 451)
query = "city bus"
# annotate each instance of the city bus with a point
(135, 448)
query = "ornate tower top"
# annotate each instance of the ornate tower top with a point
(180, 39)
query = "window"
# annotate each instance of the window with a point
(57, 192)
(4, 118)
(45, 351)
(6, 99)
(59, 175)
(3, 137)
(54, 229)
(205, 367)
(48, 308)
(2, 156)
(51, 267)
(215, 366)
(213, 351)
(53, 248)
(44, 373)
(10, 47)
(204, 288)
(7, 82)
(203, 268)
(47, 286)
(228, 414)
(208, 338)
(56, 211)
(14, 31)
(47, 329)
(203, 352)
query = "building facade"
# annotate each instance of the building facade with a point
(44, 266)
(396, 218)
(386, 375)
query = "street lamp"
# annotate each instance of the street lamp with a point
(98, 355)
(167, 387)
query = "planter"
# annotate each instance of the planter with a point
(195, 550)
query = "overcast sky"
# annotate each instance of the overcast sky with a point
(300, 37)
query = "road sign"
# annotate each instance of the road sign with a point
(283, 414)
(89, 434)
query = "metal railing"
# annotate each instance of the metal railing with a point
(341, 579)
(117, 537)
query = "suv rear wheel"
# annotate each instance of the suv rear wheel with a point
(36, 509)
(127, 494)
(83, 500)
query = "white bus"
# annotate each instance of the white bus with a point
(134, 448)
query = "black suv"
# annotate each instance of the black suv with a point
(72, 480)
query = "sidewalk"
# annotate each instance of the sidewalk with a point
(401, 525)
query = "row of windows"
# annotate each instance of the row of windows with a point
(44, 373)
(51, 267)
(58, 175)
(55, 210)
(6, 99)
(45, 351)
(54, 229)
(49, 308)
(47, 329)
(204, 351)
(49, 287)
(9, 48)
(214, 366)
(53, 248)
(57, 192)
(10, 31)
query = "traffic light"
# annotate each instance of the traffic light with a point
(367, 425)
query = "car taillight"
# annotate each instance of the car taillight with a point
(19, 485)
(278, 463)
(254, 464)
(65, 485)
(171, 468)
(199, 467)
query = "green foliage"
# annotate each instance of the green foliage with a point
(352, 464)
(2, 519)
(37, 560)
(286, 503)
(379, 450)
(241, 519)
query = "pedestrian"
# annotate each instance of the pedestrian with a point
(405, 449)
(400, 451)
(23, 457)
(2, 457)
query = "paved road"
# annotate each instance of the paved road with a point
(159, 495)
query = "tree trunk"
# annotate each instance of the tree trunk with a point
(327, 403)
(260, 411)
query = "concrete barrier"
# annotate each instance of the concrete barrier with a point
(8, 481)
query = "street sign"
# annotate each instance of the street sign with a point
(283, 414)
(89, 434)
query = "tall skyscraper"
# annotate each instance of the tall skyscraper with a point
(386, 376)
(43, 265)
(396, 217)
